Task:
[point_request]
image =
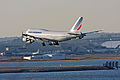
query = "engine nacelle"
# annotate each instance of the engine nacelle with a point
(53, 43)
(25, 39)
(80, 37)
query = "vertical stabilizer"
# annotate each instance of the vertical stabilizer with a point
(77, 25)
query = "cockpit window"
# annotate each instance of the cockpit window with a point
(34, 32)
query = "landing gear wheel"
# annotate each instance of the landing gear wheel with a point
(56, 43)
(43, 44)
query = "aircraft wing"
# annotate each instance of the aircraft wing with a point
(81, 35)
(92, 32)
(85, 33)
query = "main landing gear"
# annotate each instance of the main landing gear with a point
(43, 44)
(56, 43)
(51, 43)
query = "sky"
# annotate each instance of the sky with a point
(16, 16)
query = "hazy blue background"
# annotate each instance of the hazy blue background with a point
(18, 15)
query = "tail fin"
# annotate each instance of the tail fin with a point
(77, 25)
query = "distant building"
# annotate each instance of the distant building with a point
(49, 56)
(111, 44)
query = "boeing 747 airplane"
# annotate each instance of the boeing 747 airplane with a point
(54, 37)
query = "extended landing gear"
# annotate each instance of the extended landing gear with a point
(56, 43)
(43, 44)
(51, 43)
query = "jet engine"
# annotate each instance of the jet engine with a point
(27, 40)
(24, 39)
(80, 37)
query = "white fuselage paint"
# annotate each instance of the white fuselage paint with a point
(53, 35)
